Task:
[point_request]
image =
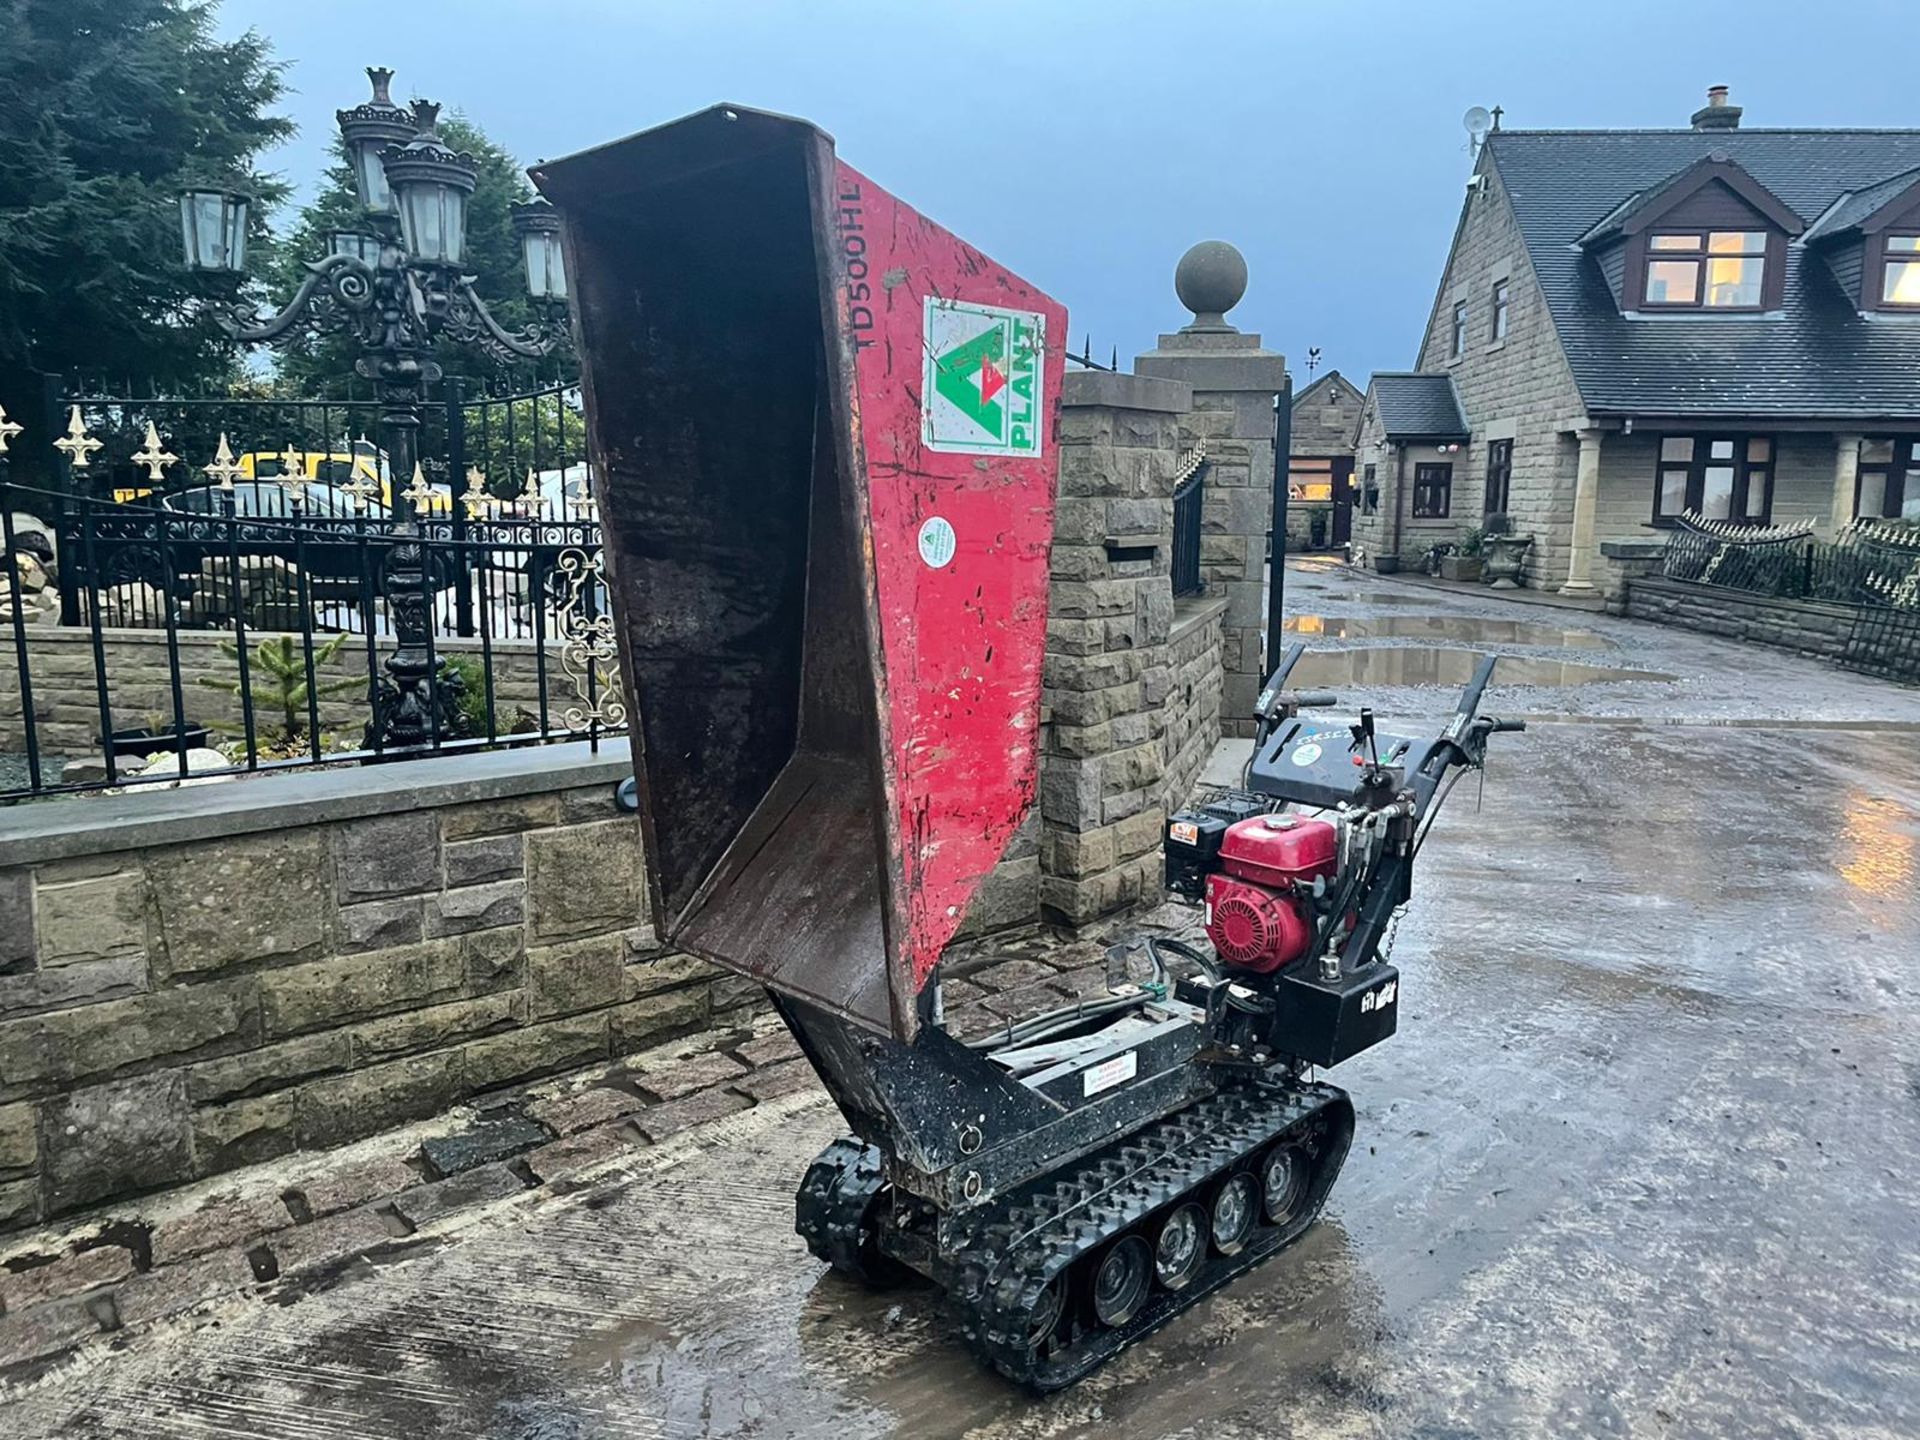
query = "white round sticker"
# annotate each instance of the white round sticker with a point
(1307, 753)
(936, 542)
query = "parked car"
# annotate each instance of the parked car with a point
(168, 545)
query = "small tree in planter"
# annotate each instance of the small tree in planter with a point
(277, 682)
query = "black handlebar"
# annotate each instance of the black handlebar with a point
(1476, 687)
(1313, 698)
(1505, 727)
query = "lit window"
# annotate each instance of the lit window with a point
(1460, 328)
(1723, 477)
(1499, 327)
(1900, 280)
(1713, 269)
(1310, 479)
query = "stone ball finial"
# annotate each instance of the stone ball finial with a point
(1210, 279)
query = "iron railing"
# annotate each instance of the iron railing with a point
(263, 639)
(1873, 567)
(171, 609)
(1871, 563)
(1189, 496)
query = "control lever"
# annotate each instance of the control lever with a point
(1363, 735)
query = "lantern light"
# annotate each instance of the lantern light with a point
(213, 230)
(367, 130)
(431, 186)
(538, 227)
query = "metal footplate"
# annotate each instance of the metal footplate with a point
(836, 1209)
(1055, 1278)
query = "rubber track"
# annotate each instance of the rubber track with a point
(1023, 1241)
(833, 1212)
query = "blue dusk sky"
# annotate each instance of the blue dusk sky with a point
(1087, 143)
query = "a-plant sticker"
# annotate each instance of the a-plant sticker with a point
(937, 541)
(982, 393)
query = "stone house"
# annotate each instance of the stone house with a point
(1326, 413)
(1636, 323)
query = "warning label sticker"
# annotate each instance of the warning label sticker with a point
(982, 389)
(1109, 1073)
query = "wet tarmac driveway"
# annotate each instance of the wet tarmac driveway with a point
(1643, 1160)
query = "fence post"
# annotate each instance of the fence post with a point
(456, 477)
(53, 422)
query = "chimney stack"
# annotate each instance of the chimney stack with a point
(1717, 114)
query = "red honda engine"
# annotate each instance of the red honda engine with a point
(1259, 911)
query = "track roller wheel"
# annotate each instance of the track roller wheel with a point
(1047, 1311)
(1181, 1248)
(1235, 1204)
(1284, 1176)
(1121, 1281)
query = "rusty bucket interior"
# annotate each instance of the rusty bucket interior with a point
(731, 530)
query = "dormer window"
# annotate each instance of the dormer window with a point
(1708, 239)
(1709, 269)
(1900, 276)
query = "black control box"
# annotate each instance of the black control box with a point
(1325, 1022)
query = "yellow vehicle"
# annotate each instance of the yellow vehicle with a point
(361, 462)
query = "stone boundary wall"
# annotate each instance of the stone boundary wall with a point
(1806, 627)
(221, 973)
(140, 683)
(1625, 563)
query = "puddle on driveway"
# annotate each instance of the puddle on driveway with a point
(1458, 629)
(1423, 665)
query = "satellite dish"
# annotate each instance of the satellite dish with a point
(1478, 120)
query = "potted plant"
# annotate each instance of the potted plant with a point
(1505, 552)
(1464, 563)
(1386, 564)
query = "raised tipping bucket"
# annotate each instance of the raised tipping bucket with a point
(825, 434)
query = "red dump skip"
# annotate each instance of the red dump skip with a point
(958, 368)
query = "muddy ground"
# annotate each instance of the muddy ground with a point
(1643, 1160)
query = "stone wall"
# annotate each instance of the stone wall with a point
(1325, 415)
(1109, 684)
(202, 978)
(1623, 563)
(1234, 382)
(1193, 699)
(139, 682)
(1806, 627)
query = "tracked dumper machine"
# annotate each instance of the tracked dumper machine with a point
(826, 435)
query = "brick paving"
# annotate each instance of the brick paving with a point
(298, 1219)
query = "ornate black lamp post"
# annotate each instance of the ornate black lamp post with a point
(395, 286)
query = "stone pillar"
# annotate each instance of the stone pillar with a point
(1586, 502)
(1234, 383)
(1846, 480)
(1104, 752)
